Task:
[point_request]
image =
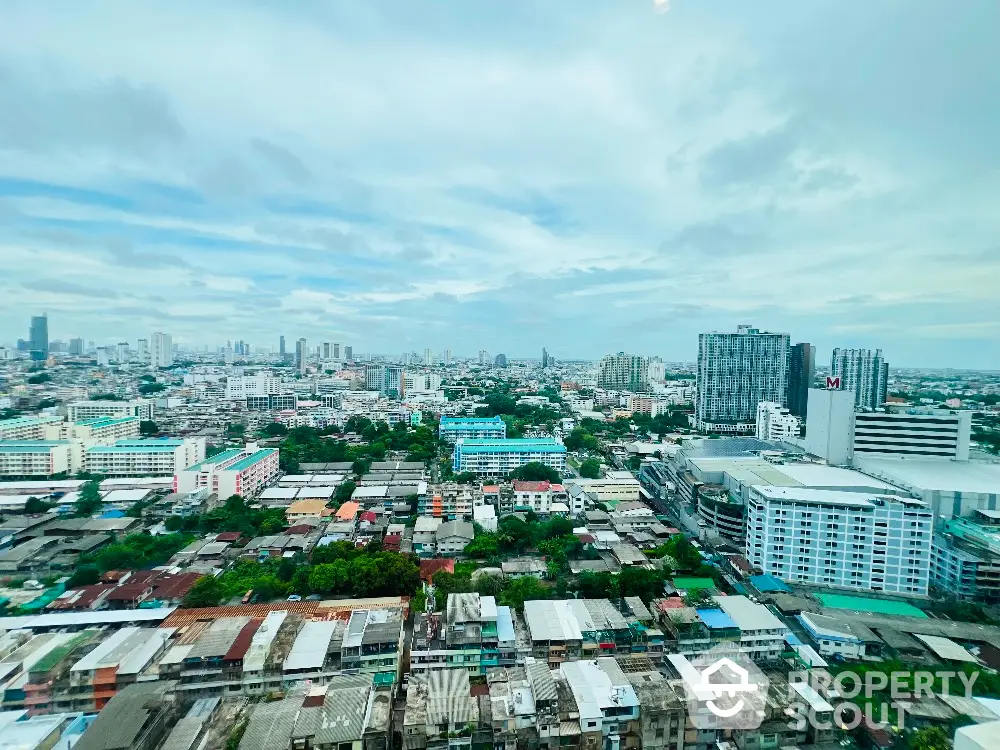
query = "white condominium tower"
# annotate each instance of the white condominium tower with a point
(163, 350)
(626, 372)
(863, 371)
(736, 371)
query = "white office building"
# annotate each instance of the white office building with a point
(239, 387)
(775, 422)
(28, 428)
(736, 371)
(162, 350)
(421, 382)
(847, 540)
(863, 372)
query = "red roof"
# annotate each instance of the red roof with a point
(228, 536)
(491, 488)
(429, 567)
(302, 529)
(586, 538)
(392, 542)
(82, 598)
(114, 576)
(241, 645)
(673, 602)
(170, 586)
(369, 516)
(542, 486)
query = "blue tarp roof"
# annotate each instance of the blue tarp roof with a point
(768, 583)
(716, 619)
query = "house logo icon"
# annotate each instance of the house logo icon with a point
(724, 689)
(721, 689)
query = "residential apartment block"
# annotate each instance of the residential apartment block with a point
(27, 428)
(572, 629)
(459, 428)
(865, 373)
(736, 371)
(80, 411)
(240, 387)
(152, 457)
(240, 471)
(472, 634)
(965, 557)
(840, 539)
(501, 457)
(37, 458)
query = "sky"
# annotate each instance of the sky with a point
(590, 176)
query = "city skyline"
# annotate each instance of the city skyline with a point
(624, 179)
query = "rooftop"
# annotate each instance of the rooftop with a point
(253, 458)
(828, 497)
(873, 606)
(537, 445)
(921, 476)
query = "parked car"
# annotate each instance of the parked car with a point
(295, 598)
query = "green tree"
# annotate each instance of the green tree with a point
(345, 491)
(206, 592)
(590, 469)
(33, 505)
(929, 738)
(521, 590)
(84, 575)
(148, 428)
(483, 546)
(274, 429)
(89, 501)
(466, 477)
(147, 389)
(42, 377)
(535, 471)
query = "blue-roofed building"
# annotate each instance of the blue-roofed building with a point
(471, 428)
(27, 428)
(499, 458)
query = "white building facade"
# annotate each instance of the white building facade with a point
(775, 422)
(847, 540)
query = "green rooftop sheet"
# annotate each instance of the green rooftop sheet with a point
(693, 583)
(874, 606)
(56, 655)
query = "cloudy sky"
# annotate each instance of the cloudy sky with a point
(588, 175)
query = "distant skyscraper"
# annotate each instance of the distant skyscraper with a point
(281, 345)
(736, 371)
(336, 350)
(801, 373)
(301, 355)
(447, 356)
(863, 371)
(103, 356)
(545, 358)
(122, 352)
(428, 357)
(142, 350)
(349, 353)
(75, 347)
(162, 349)
(501, 360)
(327, 350)
(624, 372)
(38, 337)
(388, 380)
(484, 357)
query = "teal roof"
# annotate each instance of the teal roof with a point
(106, 421)
(132, 448)
(250, 460)
(518, 445)
(456, 421)
(218, 458)
(29, 446)
(175, 442)
(27, 421)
